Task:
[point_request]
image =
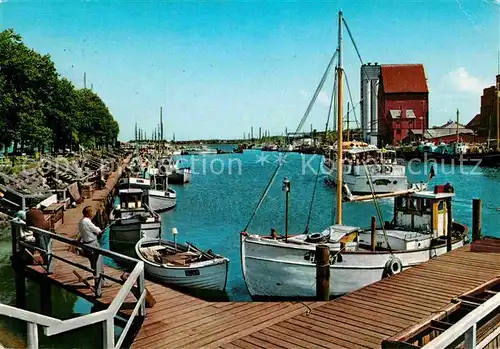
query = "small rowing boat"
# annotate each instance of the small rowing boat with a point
(182, 264)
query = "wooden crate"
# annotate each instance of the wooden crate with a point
(87, 189)
(56, 213)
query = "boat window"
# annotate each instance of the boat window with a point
(427, 205)
(413, 204)
(441, 205)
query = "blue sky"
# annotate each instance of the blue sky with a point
(219, 68)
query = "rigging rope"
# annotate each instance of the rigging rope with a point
(316, 93)
(313, 195)
(302, 121)
(263, 196)
(377, 207)
(334, 91)
(353, 109)
(352, 40)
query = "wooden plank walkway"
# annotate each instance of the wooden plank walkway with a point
(362, 319)
(177, 319)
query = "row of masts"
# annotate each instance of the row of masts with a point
(156, 134)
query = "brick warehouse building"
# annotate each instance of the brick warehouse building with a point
(403, 102)
(488, 119)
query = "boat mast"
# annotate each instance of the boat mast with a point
(458, 117)
(497, 91)
(348, 136)
(339, 123)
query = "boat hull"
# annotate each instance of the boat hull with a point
(160, 203)
(124, 234)
(207, 275)
(382, 183)
(271, 271)
(180, 176)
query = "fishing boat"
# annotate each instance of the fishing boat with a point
(387, 172)
(182, 264)
(132, 220)
(422, 227)
(156, 193)
(160, 196)
(175, 170)
(419, 231)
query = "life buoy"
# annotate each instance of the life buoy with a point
(393, 266)
(317, 237)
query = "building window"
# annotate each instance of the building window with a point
(410, 114)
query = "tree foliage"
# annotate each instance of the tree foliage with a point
(39, 108)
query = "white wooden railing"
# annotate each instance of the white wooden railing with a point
(53, 326)
(467, 327)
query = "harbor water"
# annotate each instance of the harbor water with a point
(216, 206)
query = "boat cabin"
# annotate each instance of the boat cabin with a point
(425, 211)
(159, 182)
(130, 199)
(134, 182)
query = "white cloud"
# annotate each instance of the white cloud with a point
(323, 97)
(463, 81)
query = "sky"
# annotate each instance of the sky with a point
(220, 67)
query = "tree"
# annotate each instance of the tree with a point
(39, 108)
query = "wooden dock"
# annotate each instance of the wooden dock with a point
(362, 319)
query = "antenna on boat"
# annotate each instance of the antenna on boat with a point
(339, 123)
(174, 233)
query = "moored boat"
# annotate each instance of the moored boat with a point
(418, 232)
(387, 173)
(132, 221)
(182, 265)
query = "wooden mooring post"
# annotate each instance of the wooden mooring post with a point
(476, 219)
(322, 272)
(373, 226)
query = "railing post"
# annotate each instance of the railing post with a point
(97, 275)
(108, 329)
(470, 338)
(48, 254)
(32, 335)
(141, 286)
(15, 230)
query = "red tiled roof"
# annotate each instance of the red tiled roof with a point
(401, 78)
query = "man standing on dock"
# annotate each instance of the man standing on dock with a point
(89, 235)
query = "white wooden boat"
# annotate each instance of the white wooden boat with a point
(133, 221)
(176, 173)
(182, 264)
(287, 269)
(162, 200)
(387, 174)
